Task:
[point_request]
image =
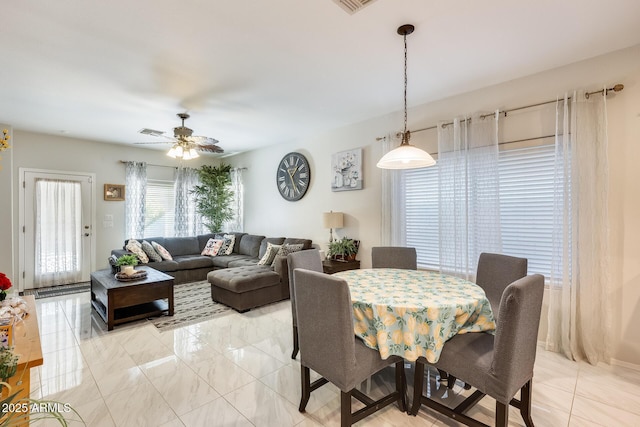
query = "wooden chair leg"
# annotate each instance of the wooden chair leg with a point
(401, 386)
(345, 409)
(502, 414)
(296, 347)
(305, 377)
(525, 403)
(418, 384)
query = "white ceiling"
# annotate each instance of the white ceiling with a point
(255, 73)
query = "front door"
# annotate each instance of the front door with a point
(57, 232)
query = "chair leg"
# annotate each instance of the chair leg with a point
(401, 386)
(345, 409)
(296, 347)
(502, 414)
(418, 384)
(525, 403)
(305, 377)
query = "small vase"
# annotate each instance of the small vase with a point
(3, 295)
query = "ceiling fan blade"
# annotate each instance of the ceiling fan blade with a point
(209, 148)
(202, 140)
(152, 142)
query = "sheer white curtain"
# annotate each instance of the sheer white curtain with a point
(469, 217)
(135, 199)
(237, 187)
(58, 232)
(187, 221)
(579, 321)
(392, 216)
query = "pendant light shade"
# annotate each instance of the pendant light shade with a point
(406, 156)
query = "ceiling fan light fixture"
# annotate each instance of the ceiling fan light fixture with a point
(406, 156)
(193, 153)
(172, 152)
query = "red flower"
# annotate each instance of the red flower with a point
(5, 283)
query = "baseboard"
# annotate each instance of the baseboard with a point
(623, 364)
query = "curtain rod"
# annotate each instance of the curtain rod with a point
(173, 167)
(616, 88)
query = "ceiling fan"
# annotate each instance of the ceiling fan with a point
(185, 145)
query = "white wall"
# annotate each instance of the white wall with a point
(266, 212)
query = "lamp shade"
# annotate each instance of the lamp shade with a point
(333, 219)
(406, 156)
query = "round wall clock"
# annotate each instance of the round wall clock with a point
(293, 176)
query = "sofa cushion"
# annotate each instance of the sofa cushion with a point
(204, 238)
(266, 241)
(161, 251)
(182, 246)
(250, 245)
(212, 248)
(243, 262)
(306, 243)
(222, 261)
(270, 254)
(135, 247)
(151, 252)
(189, 262)
(165, 266)
(244, 279)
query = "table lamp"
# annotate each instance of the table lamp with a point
(332, 220)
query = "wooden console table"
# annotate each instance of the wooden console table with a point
(26, 345)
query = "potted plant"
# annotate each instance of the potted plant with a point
(214, 196)
(344, 249)
(126, 263)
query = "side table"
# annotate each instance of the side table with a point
(330, 266)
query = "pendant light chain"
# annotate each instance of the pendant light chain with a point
(406, 134)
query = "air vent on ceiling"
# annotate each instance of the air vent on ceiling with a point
(352, 6)
(153, 132)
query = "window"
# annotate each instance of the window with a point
(526, 208)
(159, 209)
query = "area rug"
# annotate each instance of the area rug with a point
(55, 291)
(192, 304)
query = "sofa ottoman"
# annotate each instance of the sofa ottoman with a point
(244, 288)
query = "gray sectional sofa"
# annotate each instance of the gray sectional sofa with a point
(244, 284)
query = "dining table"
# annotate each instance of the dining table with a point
(412, 313)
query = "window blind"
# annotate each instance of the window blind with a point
(526, 208)
(159, 209)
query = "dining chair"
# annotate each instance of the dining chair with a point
(329, 346)
(495, 272)
(309, 260)
(496, 365)
(394, 257)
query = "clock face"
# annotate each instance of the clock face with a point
(293, 176)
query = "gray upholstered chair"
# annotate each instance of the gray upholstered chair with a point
(394, 257)
(329, 346)
(308, 260)
(495, 272)
(497, 366)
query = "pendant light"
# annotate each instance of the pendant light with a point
(406, 156)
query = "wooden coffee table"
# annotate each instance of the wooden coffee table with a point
(118, 302)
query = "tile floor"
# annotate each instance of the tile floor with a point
(236, 370)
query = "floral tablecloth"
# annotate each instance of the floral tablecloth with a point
(411, 313)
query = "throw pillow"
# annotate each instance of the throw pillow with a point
(212, 248)
(135, 247)
(285, 250)
(162, 251)
(269, 254)
(151, 253)
(227, 246)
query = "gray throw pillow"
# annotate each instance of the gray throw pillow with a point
(151, 253)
